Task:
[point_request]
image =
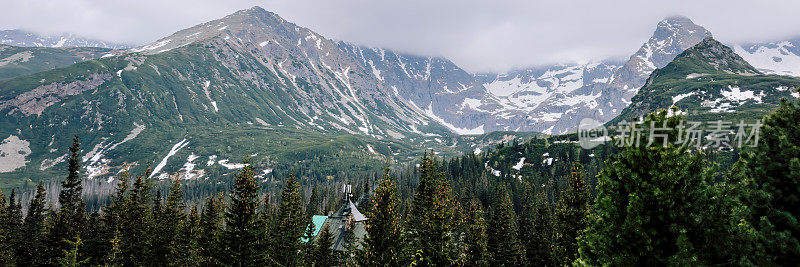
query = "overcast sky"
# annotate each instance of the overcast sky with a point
(477, 35)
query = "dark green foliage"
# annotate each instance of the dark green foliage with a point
(32, 240)
(570, 217)
(659, 206)
(313, 203)
(383, 245)
(536, 227)
(475, 250)
(308, 246)
(770, 173)
(6, 234)
(241, 216)
(323, 254)
(210, 241)
(289, 224)
(135, 226)
(186, 248)
(12, 223)
(168, 220)
(70, 219)
(432, 215)
(70, 256)
(504, 246)
(98, 240)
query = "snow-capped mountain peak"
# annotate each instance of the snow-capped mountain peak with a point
(777, 57)
(31, 39)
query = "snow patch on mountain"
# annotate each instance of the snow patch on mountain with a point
(781, 57)
(175, 148)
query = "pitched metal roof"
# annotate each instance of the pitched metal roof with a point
(318, 221)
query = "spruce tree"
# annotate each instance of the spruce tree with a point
(313, 203)
(167, 226)
(32, 243)
(539, 249)
(70, 219)
(657, 205)
(475, 250)
(771, 172)
(431, 219)
(323, 254)
(13, 223)
(570, 218)
(70, 257)
(210, 240)
(504, 246)
(289, 225)
(136, 225)
(98, 240)
(186, 250)
(383, 244)
(241, 235)
(308, 246)
(6, 249)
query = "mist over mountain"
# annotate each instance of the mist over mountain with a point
(256, 80)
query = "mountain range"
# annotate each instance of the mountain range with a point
(709, 82)
(30, 39)
(279, 92)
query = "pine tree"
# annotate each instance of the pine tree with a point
(771, 173)
(308, 246)
(240, 219)
(186, 250)
(538, 244)
(657, 206)
(70, 257)
(430, 221)
(210, 240)
(70, 218)
(266, 220)
(136, 225)
(570, 218)
(289, 225)
(6, 249)
(323, 254)
(364, 203)
(13, 223)
(313, 203)
(504, 246)
(29, 251)
(383, 244)
(167, 226)
(98, 240)
(475, 236)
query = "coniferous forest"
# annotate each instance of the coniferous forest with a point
(639, 206)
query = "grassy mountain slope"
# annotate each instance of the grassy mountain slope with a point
(709, 82)
(18, 61)
(195, 103)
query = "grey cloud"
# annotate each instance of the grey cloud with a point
(477, 35)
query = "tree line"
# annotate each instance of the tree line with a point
(650, 206)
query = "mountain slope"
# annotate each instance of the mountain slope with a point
(709, 82)
(780, 57)
(30, 39)
(263, 85)
(553, 101)
(18, 61)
